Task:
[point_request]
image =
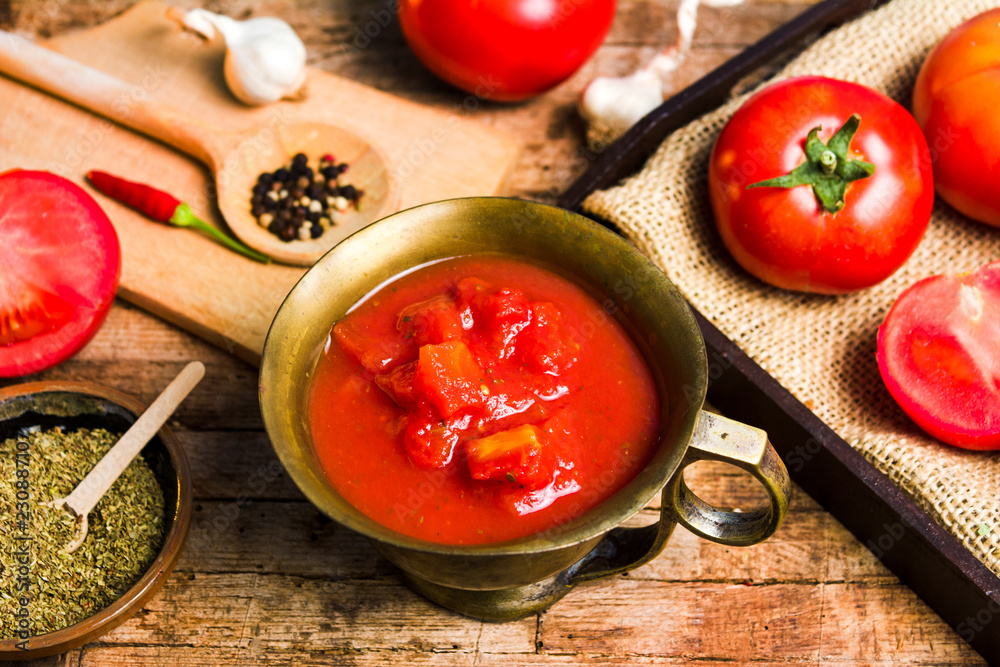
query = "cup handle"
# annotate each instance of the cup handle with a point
(715, 438)
(718, 438)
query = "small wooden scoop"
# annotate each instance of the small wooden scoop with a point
(237, 156)
(97, 482)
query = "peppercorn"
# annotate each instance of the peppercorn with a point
(297, 202)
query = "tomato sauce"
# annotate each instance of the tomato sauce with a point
(481, 399)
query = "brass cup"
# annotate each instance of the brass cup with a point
(512, 579)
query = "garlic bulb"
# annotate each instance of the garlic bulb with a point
(611, 105)
(265, 59)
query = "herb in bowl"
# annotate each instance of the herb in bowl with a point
(124, 538)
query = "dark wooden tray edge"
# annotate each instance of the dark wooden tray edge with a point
(928, 559)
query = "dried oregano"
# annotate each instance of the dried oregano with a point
(41, 589)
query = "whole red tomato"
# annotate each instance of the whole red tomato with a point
(955, 101)
(820, 185)
(505, 49)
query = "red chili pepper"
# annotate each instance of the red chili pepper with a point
(149, 201)
(163, 207)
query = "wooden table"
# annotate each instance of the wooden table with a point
(266, 579)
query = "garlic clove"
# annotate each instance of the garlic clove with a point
(265, 59)
(616, 104)
(612, 105)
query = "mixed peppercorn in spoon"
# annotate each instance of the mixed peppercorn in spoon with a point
(297, 202)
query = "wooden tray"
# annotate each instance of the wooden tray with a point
(961, 589)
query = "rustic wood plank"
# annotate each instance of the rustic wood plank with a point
(197, 657)
(277, 538)
(278, 612)
(811, 548)
(780, 621)
(236, 464)
(103, 656)
(131, 333)
(225, 399)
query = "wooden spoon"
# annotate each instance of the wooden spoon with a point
(97, 482)
(236, 158)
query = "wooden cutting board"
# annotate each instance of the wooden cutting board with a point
(177, 274)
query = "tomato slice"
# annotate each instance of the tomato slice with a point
(60, 262)
(939, 356)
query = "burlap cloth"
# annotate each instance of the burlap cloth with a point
(822, 348)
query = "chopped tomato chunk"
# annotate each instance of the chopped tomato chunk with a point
(504, 314)
(513, 455)
(429, 441)
(431, 322)
(469, 295)
(373, 353)
(544, 346)
(449, 377)
(398, 384)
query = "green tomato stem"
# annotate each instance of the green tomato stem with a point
(827, 168)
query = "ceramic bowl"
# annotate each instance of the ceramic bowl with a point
(85, 405)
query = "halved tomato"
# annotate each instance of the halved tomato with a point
(60, 262)
(939, 356)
